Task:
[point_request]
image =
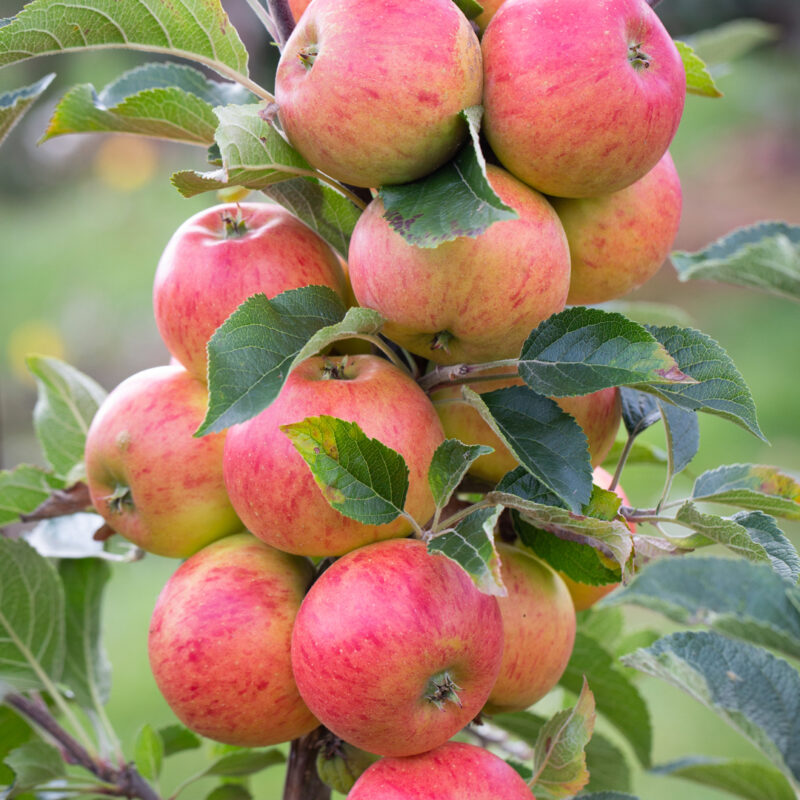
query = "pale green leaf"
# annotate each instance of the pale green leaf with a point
(14, 104)
(733, 39)
(23, 490)
(33, 764)
(698, 78)
(176, 738)
(148, 752)
(449, 465)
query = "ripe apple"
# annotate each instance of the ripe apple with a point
(272, 487)
(538, 630)
(395, 649)
(149, 478)
(489, 10)
(297, 8)
(371, 94)
(223, 255)
(471, 299)
(454, 771)
(618, 241)
(581, 99)
(219, 642)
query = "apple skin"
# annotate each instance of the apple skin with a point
(219, 643)
(538, 630)
(618, 241)
(454, 771)
(142, 438)
(207, 271)
(375, 107)
(487, 292)
(272, 487)
(489, 10)
(569, 109)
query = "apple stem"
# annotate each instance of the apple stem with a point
(442, 689)
(466, 373)
(302, 780)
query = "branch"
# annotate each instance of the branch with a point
(283, 19)
(61, 502)
(302, 781)
(466, 373)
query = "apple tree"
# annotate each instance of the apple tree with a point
(387, 447)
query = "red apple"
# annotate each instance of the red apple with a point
(581, 99)
(149, 478)
(371, 93)
(219, 643)
(223, 255)
(272, 487)
(471, 299)
(394, 649)
(454, 771)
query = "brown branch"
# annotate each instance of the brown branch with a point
(61, 502)
(283, 18)
(302, 781)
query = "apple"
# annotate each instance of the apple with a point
(297, 7)
(394, 649)
(219, 643)
(271, 486)
(618, 241)
(538, 630)
(149, 477)
(371, 94)
(581, 99)
(470, 299)
(454, 771)
(223, 255)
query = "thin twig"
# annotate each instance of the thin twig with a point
(302, 781)
(264, 17)
(466, 373)
(284, 20)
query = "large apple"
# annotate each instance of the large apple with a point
(149, 477)
(538, 629)
(618, 241)
(219, 642)
(581, 99)
(395, 649)
(272, 487)
(470, 299)
(223, 255)
(454, 771)
(371, 94)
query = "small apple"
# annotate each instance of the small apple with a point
(394, 649)
(581, 99)
(149, 478)
(454, 771)
(219, 643)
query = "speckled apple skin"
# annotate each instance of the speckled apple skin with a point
(489, 291)
(377, 107)
(565, 110)
(375, 628)
(618, 241)
(142, 438)
(538, 629)
(454, 771)
(219, 643)
(272, 487)
(203, 276)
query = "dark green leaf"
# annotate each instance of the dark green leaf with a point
(683, 436)
(14, 104)
(23, 490)
(148, 752)
(176, 739)
(449, 465)
(698, 78)
(14, 731)
(639, 410)
(470, 8)
(245, 762)
(35, 763)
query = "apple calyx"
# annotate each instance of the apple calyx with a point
(442, 689)
(441, 341)
(120, 499)
(336, 371)
(308, 55)
(639, 59)
(234, 226)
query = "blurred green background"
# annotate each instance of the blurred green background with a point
(83, 221)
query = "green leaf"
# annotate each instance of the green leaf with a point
(559, 760)
(751, 486)
(752, 690)
(33, 764)
(748, 779)
(66, 404)
(764, 256)
(640, 453)
(616, 696)
(469, 8)
(23, 490)
(176, 738)
(449, 465)
(640, 411)
(14, 104)
(605, 625)
(31, 618)
(14, 731)
(148, 752)
(455, 200)
(230, 791)
(733, 39)
(87, 670)
(734, 597)
(360, 477)
(198, 30)
(356, 321)
(545, 440)
(471, 545)
(683, 436)
(251, 354)
(244, 762)
(698, 78)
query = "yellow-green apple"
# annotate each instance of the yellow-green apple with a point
(454, 771)
(470, 299)
(371, 93)
(149, 478)
(395, 649)
(223, 255)
(271, 486)
(219, 642)
(538, 630)
(489, 10)
(618, 241)
(581, 99)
